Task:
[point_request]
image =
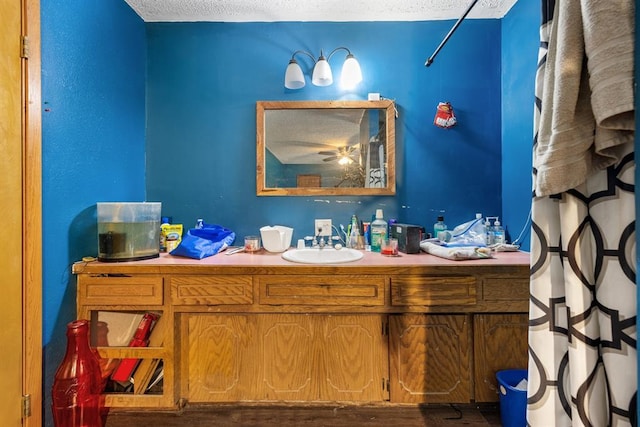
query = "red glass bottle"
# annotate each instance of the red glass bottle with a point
(77, 384)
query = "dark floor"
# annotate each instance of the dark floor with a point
(485, 415)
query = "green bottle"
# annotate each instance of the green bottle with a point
(378, 231)
(438, 227)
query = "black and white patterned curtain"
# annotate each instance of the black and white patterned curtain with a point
(582, 321)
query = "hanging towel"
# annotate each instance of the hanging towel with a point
(588, 85)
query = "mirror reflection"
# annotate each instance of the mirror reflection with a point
(325, 147)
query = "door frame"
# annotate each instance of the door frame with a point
(32, 213)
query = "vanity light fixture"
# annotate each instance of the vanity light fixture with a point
(322, 76)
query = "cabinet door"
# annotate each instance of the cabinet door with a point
(287, 354)
(219, 365)
(355, 362)
(286, 357)
(500, 342)
(429, 358)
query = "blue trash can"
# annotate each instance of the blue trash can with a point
(513, 402)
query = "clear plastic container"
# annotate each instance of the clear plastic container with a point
(489, 233)
(498, 233)
(128, 231)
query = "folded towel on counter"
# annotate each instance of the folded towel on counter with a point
(456, 253)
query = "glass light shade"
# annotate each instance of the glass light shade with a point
(345, 160)
(322, 75)
(351, 73)
(293, 77)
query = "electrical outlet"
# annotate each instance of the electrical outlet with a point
(323, 227)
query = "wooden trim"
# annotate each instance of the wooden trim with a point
(263, 190)
(32, 214)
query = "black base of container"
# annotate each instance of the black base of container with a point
(135, 258)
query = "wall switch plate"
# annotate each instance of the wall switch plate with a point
(323, 227)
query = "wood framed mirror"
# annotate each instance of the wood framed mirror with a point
(329, 148)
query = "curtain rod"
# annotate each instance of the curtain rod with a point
(451, 31)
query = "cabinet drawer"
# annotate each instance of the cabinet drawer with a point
(433, 290)
(505, 289)
(211, 290)
(120, 290)
(321, 290)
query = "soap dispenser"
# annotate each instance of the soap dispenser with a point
(439, 227)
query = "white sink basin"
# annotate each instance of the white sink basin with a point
(322, 256)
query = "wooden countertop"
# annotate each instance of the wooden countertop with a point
(263, 262)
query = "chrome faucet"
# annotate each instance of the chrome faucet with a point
(318, 240)
(323, 233)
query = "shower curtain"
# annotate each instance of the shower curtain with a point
(582, 320)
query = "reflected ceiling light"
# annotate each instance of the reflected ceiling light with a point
(345, 160)
(322, 76)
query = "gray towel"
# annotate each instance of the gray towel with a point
(587, 106)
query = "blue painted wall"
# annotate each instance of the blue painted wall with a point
(204, 80)
(93, 143)
(166, 112)
(520, 41)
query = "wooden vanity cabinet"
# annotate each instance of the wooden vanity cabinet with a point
(500, 332)
(500, 342)
(444, 358)
(124, 297)
(285, 357)
(391, 333)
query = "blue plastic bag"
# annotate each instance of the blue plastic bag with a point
(204, 242)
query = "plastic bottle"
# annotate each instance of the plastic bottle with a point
(366, 228)
(354, 232)
(77, 384)
(378, 231)
(163, 234)
(488, 232)
(439, 226)
(498, 232)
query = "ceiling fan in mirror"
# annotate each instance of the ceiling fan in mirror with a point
(343, 155)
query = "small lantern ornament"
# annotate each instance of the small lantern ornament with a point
(445, 118)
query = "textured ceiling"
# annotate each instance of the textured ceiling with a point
(314, 10)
